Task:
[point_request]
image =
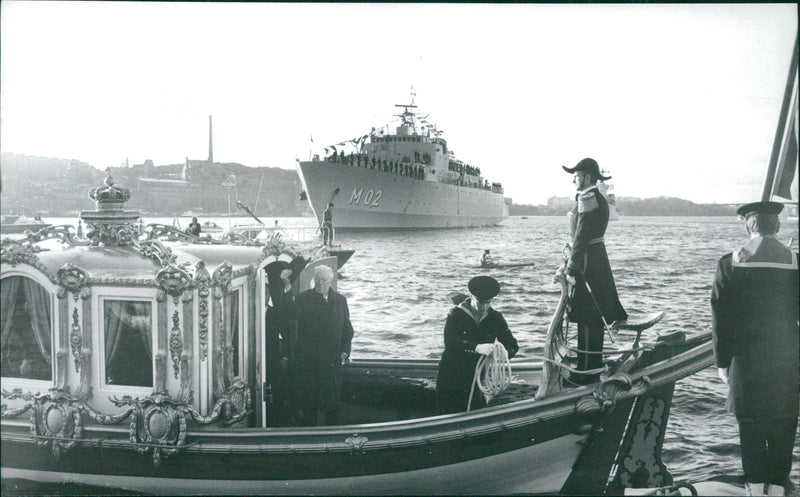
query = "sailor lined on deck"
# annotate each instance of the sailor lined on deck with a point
(754, 306)
(588, 269)
(471, 328)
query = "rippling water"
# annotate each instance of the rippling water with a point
(397, 285)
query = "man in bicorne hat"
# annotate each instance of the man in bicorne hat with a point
(470, 331)
(595, 302)
(754, 309)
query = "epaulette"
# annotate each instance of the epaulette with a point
(587, 202)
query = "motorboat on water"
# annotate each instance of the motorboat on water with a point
(142, 358)
(11, 224)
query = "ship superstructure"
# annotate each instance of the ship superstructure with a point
(408, 179)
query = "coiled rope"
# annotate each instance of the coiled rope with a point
(492, 374)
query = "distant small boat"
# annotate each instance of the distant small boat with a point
(524, 217)
(506, 265)
(210, 227)
(19, 224)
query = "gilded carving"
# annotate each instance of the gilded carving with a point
(71, 279)
(222, 279)
(356, 442)
(175, 344)
(202, 281)
(172, 280)
(75, 338)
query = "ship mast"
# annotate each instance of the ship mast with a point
(407, 117)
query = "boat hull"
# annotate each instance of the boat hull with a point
(529, 446)
(369, 199)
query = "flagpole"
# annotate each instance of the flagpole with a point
(310, 147)
(777, 145)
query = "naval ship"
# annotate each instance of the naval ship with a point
(408, 179)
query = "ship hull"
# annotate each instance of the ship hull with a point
(369, 199)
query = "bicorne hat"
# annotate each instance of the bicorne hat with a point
(763, 207)
(587, 165)
(483, 287)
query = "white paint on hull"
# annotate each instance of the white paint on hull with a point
(538, 469)
(373, 199)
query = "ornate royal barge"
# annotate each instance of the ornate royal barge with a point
(408, 179)
(141, 358)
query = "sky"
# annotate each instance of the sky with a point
(671, 100)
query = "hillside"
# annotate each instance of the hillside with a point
(57, 187)
(632, 206)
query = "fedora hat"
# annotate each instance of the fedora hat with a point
(483, 287)
(762, 207)
(587, 165)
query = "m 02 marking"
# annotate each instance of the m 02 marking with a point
(371, 198)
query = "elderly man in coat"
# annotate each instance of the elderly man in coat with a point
(595, 302)
(324, 333)
(754, 305)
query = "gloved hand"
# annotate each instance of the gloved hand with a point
(723, 374)
(484, 348)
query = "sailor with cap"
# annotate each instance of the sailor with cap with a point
(588, 270)
(471, 328)
(754, 309)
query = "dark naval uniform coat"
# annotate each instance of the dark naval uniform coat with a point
(324, 331)
(457, 366)
(589, 257)
(755, 309)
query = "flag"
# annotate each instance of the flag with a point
(781, 179)
(312, 138)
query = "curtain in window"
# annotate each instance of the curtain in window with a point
(38, 307)
(132, 317)
(232, 334)
(115, 315)
(143, 325)
(8, 297)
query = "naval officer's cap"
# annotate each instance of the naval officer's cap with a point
(760, 207)
(587, 165)
(483, 287)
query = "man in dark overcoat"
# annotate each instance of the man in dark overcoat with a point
(280, 325)
(324, 334)
(588, 270)
(469, 332)
(754, 305)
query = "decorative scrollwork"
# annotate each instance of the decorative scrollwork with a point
(71, 278)
(222, 279)
(176, 344)
(356, 442)
(202, 280)
(172, 280)
(611, 390)
(233, 405)
(15, 252)
(156, 250)
(76, 338)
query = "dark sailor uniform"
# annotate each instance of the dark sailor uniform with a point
(588, 261)
(457, 366)
(755, 309)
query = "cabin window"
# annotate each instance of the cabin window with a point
(128, 328)
(25, 322)
(232, 318)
